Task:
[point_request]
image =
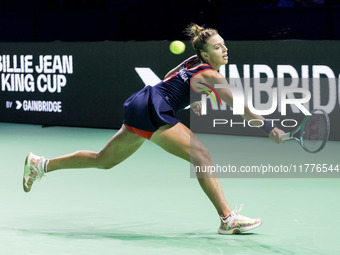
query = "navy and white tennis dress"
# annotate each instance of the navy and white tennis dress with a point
(153, 107)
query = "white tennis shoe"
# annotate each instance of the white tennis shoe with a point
(35, 169)
(235, 223)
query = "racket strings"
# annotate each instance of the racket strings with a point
(315, 132)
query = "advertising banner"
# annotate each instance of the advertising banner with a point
(86, 84)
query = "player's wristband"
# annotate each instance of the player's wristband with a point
(268, 126)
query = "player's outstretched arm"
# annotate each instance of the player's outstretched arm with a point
(212, 78)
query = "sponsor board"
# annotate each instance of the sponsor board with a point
(86, 84)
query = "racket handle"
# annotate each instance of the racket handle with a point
(285, 137)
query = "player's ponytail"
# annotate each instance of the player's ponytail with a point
(199, 36)
(194, 30)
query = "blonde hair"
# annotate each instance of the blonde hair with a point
(199, 36)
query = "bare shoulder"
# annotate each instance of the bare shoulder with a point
(206, 79)
(209, 74)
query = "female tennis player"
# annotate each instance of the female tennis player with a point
(150, 114)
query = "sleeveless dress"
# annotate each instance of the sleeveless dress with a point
(154, 106)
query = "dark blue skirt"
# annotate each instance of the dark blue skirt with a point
(147, 110)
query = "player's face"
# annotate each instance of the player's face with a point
(216, 53)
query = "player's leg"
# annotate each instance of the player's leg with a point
(123, 144)
(180, 141)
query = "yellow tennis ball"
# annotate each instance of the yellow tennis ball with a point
(177, 47)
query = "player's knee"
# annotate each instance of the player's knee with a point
(206, 158)
(104, 163)
(201, 157)
(106, 166)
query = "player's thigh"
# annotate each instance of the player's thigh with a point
(123, 144)
(181, 142)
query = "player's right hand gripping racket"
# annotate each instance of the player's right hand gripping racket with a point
(313, 132)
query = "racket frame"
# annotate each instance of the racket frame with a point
(290, 135)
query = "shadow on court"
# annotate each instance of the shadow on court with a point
(210, 243)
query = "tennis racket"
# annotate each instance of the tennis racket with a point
(313, 132)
